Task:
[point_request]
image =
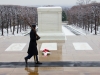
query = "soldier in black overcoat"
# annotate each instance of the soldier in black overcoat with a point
(32, 49)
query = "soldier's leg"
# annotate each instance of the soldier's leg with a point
(34, 58)
(37, 62)
(27, 57)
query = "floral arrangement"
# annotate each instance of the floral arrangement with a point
(45, 52)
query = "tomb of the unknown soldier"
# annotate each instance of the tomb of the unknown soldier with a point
(50, 23)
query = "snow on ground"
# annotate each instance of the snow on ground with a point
(66, 31)
(83, 31)
(22, 33)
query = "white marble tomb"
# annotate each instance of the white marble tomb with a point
(49, 19)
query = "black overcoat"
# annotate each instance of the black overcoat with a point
(32, 50)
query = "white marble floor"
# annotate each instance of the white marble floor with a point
(82, 46)
(16, 47)
(49, 46)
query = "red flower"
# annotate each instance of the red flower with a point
(45, 50)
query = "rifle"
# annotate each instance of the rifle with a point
(30, 26)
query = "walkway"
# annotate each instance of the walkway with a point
(78, 55)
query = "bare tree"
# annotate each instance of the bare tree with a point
(11, 17)
(83, 2)
(85, 16)
(2, 13)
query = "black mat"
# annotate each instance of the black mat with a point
(51, 64)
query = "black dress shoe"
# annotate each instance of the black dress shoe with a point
(38, 62)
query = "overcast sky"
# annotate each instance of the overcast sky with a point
(40, 2)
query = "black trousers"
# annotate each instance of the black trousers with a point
(35, 57)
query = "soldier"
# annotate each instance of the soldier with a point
(32, 50)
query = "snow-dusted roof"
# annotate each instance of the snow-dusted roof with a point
(49, 9)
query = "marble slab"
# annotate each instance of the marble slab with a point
(82, 46)
(16, 47)
(49, 46)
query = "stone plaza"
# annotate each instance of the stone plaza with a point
(68, 59)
